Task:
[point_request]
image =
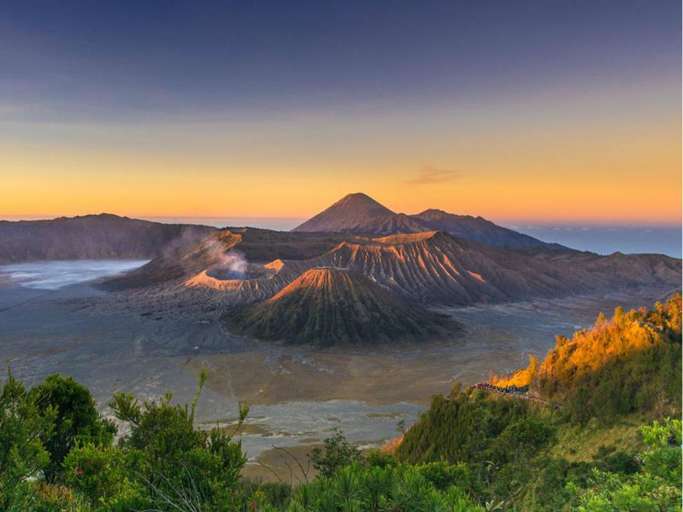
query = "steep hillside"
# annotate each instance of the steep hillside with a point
(359, 213)
(582, 428)
(252, 244)
(325, 306)
(629, 363)
(92, 237)
(428, 267)
(433, 267)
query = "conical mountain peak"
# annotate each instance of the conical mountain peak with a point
(359, 213)
(327, 305)
(360, 200)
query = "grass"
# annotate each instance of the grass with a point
(577, 443)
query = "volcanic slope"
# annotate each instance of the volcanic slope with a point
(434, 267)
(93, 237)
(429, 267)
(360, 214)
(479, 229)
(193, 263)
(326, 306)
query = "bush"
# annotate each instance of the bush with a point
(398, 487)
(76, 419)
(176, 466)
(336, 453)
(22, 454)
(100, 476)
(656, 487)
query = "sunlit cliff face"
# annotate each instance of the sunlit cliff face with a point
(590, 350)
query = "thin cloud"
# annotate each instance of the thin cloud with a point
(429, 175)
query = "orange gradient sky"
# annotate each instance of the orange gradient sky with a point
(532, 111)
(603, 158)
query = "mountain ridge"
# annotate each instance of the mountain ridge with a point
(428, 267)
(93, 236)
(360, 214)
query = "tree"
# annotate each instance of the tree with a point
(100, 476)
(336, 453)
(76, 419)
(178, 467)
(22, 454)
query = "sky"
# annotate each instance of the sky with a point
(541, 111)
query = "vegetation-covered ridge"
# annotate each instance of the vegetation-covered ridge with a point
(585, 441)
(629, 363)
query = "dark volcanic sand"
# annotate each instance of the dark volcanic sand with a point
(297, 395)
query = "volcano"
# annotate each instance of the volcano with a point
(360, 214)
(327, 306)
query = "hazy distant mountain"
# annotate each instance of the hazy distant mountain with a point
(479, 229)
(327, 305)
(92, 237)
(360, 214)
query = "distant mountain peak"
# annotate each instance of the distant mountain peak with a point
(438, 213)
(360, 213)
(361, 202)
(433, 211)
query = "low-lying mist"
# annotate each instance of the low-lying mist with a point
(52, 275)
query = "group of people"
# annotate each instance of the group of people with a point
(512, 390)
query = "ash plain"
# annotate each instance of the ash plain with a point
(297, 395)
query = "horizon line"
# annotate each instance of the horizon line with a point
(508, 222)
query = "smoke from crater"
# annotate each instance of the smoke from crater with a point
(231, 265)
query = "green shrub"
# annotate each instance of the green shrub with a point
(22, 454)
(76, 419)
(178, 467)
(335, 454)
(101, 476)
(398, 487)
(656, 487)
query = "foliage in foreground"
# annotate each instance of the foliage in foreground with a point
(627, 367)
(393, 487)
(655, 487)
(76, 420)
(163, 463)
